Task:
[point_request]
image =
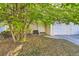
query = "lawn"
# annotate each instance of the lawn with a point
(38, 46)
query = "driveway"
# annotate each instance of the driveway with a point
(72, 38)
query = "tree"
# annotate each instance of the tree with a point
(19, 17)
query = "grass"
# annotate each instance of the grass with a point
(39, 46)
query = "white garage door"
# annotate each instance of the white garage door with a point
(64, 29)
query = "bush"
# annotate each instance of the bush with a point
(6, 34)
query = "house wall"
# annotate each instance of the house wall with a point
(54, 29)
(47, 29)
(41, 28)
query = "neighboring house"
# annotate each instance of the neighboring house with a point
(3, 28)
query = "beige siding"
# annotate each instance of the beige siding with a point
(47, 29)
(41, 28)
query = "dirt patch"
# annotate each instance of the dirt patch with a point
(6, 46)
(38, 46)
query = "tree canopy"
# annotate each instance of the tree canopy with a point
(40, 12)
(19, 16)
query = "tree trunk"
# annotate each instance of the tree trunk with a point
(13, 37)
(26, 27)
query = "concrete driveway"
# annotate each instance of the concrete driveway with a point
(72, 38)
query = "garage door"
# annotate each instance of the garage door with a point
(64, 29)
